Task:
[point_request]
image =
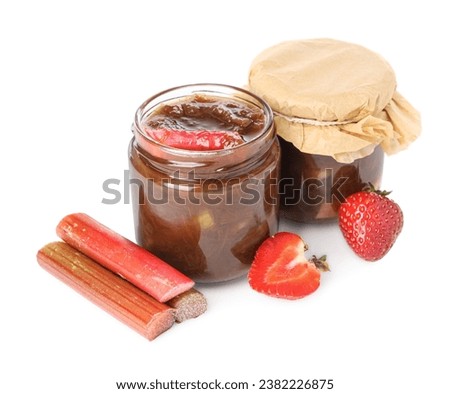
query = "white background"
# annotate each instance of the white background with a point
(72, 75)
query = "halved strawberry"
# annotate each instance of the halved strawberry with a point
(280, 268)
(199, 140)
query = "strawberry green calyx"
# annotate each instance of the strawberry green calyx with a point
(321, 263)
(370, 188)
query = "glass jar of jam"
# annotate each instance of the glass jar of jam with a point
(201, 201)
(313, 186)
(336, 112)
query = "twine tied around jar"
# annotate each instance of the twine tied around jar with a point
(312, 122)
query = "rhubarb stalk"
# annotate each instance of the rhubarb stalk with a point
(120, 255)
(115, 295)
(188, 305)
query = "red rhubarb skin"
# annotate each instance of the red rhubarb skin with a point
(124, 257)
(198, 140)
(107, 290)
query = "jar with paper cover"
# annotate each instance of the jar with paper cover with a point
(337, 112)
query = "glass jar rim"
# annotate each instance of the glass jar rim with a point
(213, 89)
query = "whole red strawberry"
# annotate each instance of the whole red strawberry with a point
(370, 223)
(280, 268)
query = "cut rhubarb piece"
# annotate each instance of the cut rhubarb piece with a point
(188, 305)
(199, 140)
(120, 255)
(113, 294)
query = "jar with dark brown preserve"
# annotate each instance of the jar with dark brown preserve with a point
(205, 211)
(312, 186)
(336, 111)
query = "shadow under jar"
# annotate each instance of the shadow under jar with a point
(205, 212)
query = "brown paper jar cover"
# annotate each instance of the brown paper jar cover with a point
(336, 105)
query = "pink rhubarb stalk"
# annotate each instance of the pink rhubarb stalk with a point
(113, 294)
(120, 255)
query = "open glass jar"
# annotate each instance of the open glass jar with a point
(205, 211)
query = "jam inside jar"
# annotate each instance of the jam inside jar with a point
(313, 186)
(205, 211)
